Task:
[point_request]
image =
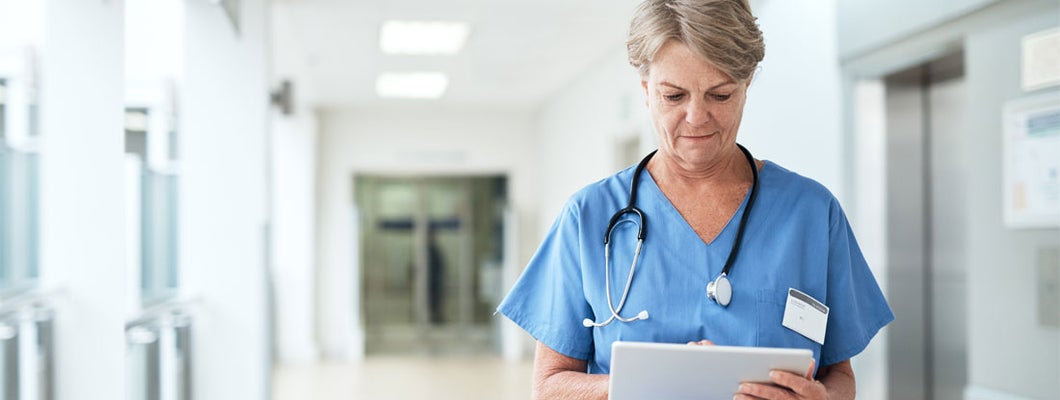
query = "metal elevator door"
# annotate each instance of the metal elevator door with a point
(431, 254)
(927, 275)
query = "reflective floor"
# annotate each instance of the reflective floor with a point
(406, 377)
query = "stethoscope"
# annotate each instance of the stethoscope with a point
(719, 290)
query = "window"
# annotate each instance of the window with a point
(19, 175)
(152, 186)
(153, 64)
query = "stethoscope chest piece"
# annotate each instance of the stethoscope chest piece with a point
(720, 290)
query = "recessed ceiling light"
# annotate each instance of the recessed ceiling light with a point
(422, 37)
(412, 85)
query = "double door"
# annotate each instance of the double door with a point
(431, 251)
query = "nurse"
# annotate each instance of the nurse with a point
(712, 213)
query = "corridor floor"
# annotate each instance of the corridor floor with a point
(406, 377)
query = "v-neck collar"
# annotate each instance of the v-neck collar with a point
(667, 206)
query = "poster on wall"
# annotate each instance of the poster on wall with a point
(1031, 170)
(1040, 56)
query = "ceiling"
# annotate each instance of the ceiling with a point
(518, 53)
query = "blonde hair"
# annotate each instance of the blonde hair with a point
(723, 32)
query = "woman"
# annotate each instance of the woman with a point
(719, 220)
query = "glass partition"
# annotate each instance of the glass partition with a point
(19, 169)
(157, 362)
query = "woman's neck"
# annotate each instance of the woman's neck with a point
(727, 171)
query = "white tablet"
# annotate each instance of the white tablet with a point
(680, 371)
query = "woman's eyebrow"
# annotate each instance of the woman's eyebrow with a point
(726, 83)
(665, 83)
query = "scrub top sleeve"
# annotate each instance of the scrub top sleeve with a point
(548, 301)
(857, 307)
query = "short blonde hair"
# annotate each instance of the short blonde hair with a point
(723, 32)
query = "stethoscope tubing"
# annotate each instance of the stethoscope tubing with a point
(642, 233)
(625, 292)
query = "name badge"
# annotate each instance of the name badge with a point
(806, 315)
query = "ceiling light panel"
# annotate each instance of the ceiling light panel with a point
(411, 85)
(422, 37)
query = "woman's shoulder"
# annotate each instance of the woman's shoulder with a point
(791, 184)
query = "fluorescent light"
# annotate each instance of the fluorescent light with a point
(413, 85)
(422, 37)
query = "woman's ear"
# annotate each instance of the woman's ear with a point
(644, 84)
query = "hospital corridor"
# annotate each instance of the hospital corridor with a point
(397, 199)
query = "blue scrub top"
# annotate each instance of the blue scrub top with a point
(797, 236)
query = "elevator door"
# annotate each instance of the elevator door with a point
(925, 223)
(430, 246)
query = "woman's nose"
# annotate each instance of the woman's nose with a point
(697, 113)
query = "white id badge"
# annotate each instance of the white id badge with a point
(806, 315)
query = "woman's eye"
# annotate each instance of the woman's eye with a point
(674, 97)
(720, 97)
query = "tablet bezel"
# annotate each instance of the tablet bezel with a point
(641, 370)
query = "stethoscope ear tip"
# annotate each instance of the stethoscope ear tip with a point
(588, 323)
(643, 314)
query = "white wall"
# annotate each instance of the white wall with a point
(222, 144)
(1009, 355)
(792, 115)
(867, 213)
(82, 194)
(581, 128)
(1018, 356)
(293, 194)
(867, 24)
(408, 138)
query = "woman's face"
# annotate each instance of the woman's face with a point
(695, 107)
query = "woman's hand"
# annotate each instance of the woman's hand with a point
(703, 342)
(786, 385)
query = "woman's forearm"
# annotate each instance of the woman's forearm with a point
(557, 376)
(571, 385)
(838, 379)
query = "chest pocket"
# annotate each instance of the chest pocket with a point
(771, 331)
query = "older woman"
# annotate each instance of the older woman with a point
(729, 235)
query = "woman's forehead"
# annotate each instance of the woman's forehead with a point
(677, 65)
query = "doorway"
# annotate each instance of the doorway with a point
(431, 258)
(926, 273)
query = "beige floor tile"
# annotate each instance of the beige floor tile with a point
(407, 377)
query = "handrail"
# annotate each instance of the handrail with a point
(27, 315)
(159, 335)
(168, 309)
(16, 299)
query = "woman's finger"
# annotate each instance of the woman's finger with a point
(703, 342)
(809, 372)
(763, 391)
(802, 387)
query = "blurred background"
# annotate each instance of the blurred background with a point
(326, 199)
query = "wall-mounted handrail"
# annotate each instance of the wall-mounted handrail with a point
(167, 309)
(159, 346)
(16, 299)
(26, 319)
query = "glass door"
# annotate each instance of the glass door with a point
(427, 244)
